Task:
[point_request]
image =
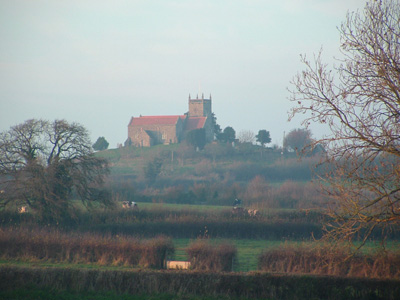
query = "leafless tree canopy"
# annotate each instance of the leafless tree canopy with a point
(360, 101)
(43, 165)
(246, 136)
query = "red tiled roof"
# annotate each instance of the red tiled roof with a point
(155, 120)
(195, 123)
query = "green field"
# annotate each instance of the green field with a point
(248, 251)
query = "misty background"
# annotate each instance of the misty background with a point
(101, 62)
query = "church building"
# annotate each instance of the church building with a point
(147, 131)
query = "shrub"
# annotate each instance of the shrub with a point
(323, 259)
(206, 257)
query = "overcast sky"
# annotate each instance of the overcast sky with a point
(100, 62)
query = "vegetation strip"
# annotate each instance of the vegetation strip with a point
(249, 285)
(76, 247)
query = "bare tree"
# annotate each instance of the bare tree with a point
(359, 99)
(44, 165)
(246, 136)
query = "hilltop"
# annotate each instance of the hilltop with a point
(216, 175)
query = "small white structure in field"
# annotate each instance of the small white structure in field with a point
(129, 205)
(178, 265)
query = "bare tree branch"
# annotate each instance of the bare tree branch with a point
(359, 100)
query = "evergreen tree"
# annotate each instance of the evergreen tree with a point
(101, 144)
(263, 137)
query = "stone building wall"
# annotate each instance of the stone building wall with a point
(139, 137)
(153, 134)
(200, 107)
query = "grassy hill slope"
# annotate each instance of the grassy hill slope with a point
(215, 176)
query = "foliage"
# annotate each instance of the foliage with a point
(359, 100)
(227, 136)
(46, 164)
(100, 144)
(152, 169)
(197, 138)
(216, 127)
(298, 139)
(263, 137)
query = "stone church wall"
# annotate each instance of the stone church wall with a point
(199, 107)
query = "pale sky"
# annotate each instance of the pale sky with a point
(100, 62)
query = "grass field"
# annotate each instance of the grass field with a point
(248, 251)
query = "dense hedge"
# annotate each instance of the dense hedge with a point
(185, 223)
(328, 259)
(204, 256)
(248, 286)
(222, 229)
(39, 244)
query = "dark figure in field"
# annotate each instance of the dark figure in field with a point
(237, 202)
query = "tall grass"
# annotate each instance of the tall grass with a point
(51, 245)
(323, 259)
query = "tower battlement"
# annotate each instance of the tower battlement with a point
(200, 107)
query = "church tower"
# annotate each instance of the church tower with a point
(200, 107)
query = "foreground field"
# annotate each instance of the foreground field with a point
(115, 254)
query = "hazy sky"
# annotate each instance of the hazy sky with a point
(100, 62)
